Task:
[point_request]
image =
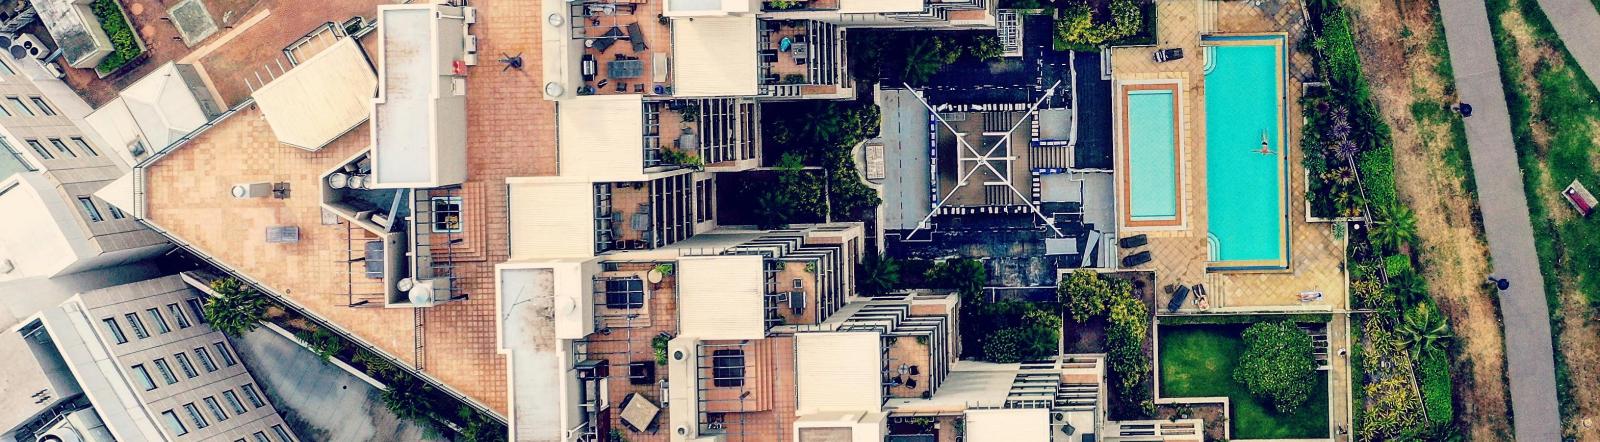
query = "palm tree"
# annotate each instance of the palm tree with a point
(237, 309)
(879, 275)
(407, 399)
(1423, 329)
(1396, 226)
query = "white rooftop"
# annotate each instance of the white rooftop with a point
(320, 99)
(1008, 425)
(551, 218)
(715, 56)
(839, 371)
(528, 338)
(419, 132)
(879, 6)
(722, 297)
(158, 109)
(602, 137)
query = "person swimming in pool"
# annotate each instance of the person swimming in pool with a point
(1266, 149)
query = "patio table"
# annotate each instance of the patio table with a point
(625, 69)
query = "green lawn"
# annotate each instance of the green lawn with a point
(1198, 360)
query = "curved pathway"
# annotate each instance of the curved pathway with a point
(1530, 359)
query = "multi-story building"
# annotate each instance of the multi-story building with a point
(51, 173)
(131, 362)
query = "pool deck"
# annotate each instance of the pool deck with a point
(1180, 255)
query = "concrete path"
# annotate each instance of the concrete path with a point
(320, 401)
(1505, 219)
(1579, 26)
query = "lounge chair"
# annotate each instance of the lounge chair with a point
(1134, 241)
(1166, 55)
(1177, 299)
(1136, 259)
(636, 36)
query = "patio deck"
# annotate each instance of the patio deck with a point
(657, 38)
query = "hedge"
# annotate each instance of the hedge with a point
(1434, 374)
(1301, 318)
(124, 44)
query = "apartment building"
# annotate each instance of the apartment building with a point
(51, 173)
(131, 362)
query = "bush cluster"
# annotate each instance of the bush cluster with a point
(124, 44)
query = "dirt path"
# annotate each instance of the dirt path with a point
(1578, 338)
(1402, 62)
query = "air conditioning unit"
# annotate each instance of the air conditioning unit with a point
(24, 45)
(252, 190)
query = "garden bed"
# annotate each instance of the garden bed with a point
(1199, 361)
(125, 45)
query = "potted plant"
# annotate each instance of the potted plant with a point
(659, 271)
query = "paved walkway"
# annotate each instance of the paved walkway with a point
(1579, 26)
(1505, 219)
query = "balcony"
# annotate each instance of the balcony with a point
(625, 47)
(801, 57)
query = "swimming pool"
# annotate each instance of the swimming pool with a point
(1149, 155)
(1246, 198)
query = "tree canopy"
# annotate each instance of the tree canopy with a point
(1085, 294)
(1277, 364)
(237, 309)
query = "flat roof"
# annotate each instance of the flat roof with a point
(879, 6)
(722, 297)
(320, 99)
(1008, 425)
(402, 110)
(551, 218)
(715, 56)
(529, 337)
(602, 137)
(839, 371)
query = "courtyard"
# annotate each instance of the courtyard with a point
(1198, 361)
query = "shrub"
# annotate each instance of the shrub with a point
(1084, 294)
(1277, 364)
(237, 309)
(124, 44)
(1077, 28)
(1022, 343)
(376, 365)
(1128, 329)
(878, 275)
(659, 344)
(967, 276)
(1300, 318)
(408, 399)
(1436, 387)
(323, 342)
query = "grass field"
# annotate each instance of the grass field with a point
(1198, 361)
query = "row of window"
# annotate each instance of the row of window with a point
(215, 409)
(42, 106)
(38, 147)
(142, 374)
(92, 210)
(114, 328)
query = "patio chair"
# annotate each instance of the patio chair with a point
(1136, 259)
(1134, 241)
(1166, 55)
(636, 36)
(1177, 299)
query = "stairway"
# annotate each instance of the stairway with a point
(1206, 14)
(1077, 396)
(1319, 344)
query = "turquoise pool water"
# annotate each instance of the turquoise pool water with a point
(1152, 160)
(1245, 195)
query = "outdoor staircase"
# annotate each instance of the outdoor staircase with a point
(1077, 396)
(1206, 14)
(1319, 345)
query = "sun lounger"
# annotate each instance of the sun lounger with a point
(1166, 55)
(1136, 259)
(1133, 241)
(1177, 299)
(636, 36)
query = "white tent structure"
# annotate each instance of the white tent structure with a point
(150, 114)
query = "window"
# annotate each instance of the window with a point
(177, 314)
(250, 395)
(173, 424)
(233, 401)
(4, 111)
(17, 101)
(205, 359)
(39, 149)
(625, 293)
(115, 330)
(42, 105)
(7, 69)
(138, 326)
(60, 146)
(85, 147)
(215, 409)
(89, 210)
(183, 363)
(17, 154)
(261, 437)
(194, 307)
(195, 416)
(166, 371)
(447, 214)
(115, 212)
(158, 320)
(222, 350)
(143, 375)
(727, 368)
(283, 435)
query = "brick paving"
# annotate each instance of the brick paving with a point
(511, 133)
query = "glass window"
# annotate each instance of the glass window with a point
(195, 307)
(222, 350)
(727, 368)
(261, 437)
(143, 376)
(62, 147)
(233, 401)
(4, 111)
(158, 320)
(177, 314)
(42, 105)
(39, 149)
(115, 212)
(90, 211)
(251, 395)
(84, 146)
(195, 416)
(115, 330)
(138, 326)
(205, 359)
(17, 102)
(447, 214)
(215, 409)
(626, 293)
(283, 435)
(18, 155)
(183, 363)
(7, 68)
(173, 424)
(166, 371)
